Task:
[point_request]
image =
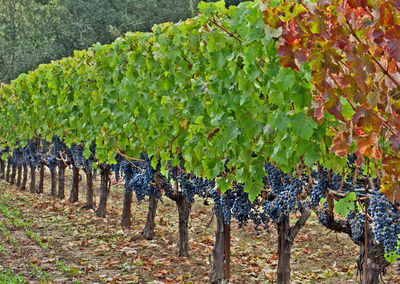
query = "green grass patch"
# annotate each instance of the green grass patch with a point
(38, 273)
(9, 277)
(34, 237)
(67, 270)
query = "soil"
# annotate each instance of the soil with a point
(75, 246)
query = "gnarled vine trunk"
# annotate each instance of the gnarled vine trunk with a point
(61, 180)
(13, 173)
(184, 207)
(8, 170)
(74, 194)
(24, 177)
(19, 176)
(286, 237)
(126, 210)
(148, 231)
(53, 191)
(41, 178)
(89, 190)
(32, 186)
(217, 273)
(2, 169)
(104, 191)
(376, 262)
(284, 249)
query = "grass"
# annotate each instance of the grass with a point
(38, 273)
(34, 237)
(13, 217)
(9, 277)
(67, 270)
(6, 233)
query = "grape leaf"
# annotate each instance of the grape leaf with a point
(345, 205)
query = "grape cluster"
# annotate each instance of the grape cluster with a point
(337, 181)
(17, 156)
(243, 210)
(322, 214)
(286, 192)
(356, 221)
(319, 189)
(31, 154)
(116, 168)
(139, 176)
(76, 152)
(218, 206)
(386, 222)
(235, 203)
(189, 184)
(276, 178)
(87, 163)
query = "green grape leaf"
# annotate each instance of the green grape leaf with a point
(303, 126)
(345, 205)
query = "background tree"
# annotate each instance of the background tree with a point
(38, 31)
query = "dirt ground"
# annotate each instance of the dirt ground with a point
(47, 240)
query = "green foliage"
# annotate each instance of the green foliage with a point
(344, 205)
(361, 111)
(37, 272)
(209, 89)
(392, 256)
(34, 237)
(67, 270)
(9, 277)
(34, 32)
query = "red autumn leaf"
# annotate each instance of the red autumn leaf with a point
(354, 3)
(369, 146)
(339, 144)
(386, 16)
(370, 122)
(394, 49)
(359, 131)
(377, 36)
(300, 56)
(334, 107)
(390, 180)
(395, 142)
(307, 250)
(396, 4)
(319, 112)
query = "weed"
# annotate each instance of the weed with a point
(34, 237)
(37, 272)
(67, 270)
(9, 277)
(138, 263)
(126, 267)
(6, 233)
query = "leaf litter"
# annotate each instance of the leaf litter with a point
(80, 247)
